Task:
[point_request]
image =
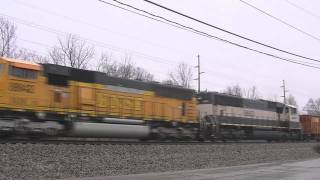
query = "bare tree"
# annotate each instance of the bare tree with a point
(251, 93)
(273, 98)
(106, 65)
(313, 107)
(124, 69)
(73, 52)
(181, 75)
(7, 38)
(142, 75)
(167, 82)
(29, 55)
(291, 100)
(234, 90)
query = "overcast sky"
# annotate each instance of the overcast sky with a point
(159, 47)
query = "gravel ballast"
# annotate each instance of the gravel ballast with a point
(39, 161)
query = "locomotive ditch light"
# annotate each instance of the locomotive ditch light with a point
(72, 115)
(41, 115)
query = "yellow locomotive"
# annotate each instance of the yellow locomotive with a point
(57, 100)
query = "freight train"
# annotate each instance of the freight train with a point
(39, 100)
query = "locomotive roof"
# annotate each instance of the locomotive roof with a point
(88, 76)
(236, 101)
(22, 63)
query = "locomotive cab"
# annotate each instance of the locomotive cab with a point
(292, 113)
(292, 116)
(19, 83)
(288, 116)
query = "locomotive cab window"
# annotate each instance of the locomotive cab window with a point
(23, 73)
(287, 110)
(1, 68)
(293, 111)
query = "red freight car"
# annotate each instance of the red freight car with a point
(311, 126)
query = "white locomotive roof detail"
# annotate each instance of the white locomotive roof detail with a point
(291, 106)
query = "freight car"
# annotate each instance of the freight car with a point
(231, 117)
(56, 100)
(311, 126)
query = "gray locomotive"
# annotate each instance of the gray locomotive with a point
(225, 117)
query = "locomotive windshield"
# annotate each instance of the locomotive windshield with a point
(23, 73)
(294, 111)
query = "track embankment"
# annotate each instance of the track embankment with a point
(54, 161)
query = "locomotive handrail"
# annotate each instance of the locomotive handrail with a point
(252, 117)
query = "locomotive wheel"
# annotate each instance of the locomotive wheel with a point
(5, 135)
(51, 132)
(284, 138)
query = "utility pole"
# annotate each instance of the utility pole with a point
(284, 91)
(284, 103)
(199, 73)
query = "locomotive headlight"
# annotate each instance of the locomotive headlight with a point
(41, 115)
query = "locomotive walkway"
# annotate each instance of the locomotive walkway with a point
(304, 170)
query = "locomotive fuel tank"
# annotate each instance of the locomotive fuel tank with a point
(105, 130)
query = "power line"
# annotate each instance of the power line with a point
(54, 31)
(55, 14)
(36, 43)
(155, 19)
(218, 38)
(32, 51)
(45, 54)
(201, 33)
(48, 46)
(93, 25)
(108, 46)
(280, 20)
(45, 45)
(223, 75)
(227, 31)
(303, 9)
(95, 42)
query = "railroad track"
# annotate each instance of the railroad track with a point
(82, 141)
